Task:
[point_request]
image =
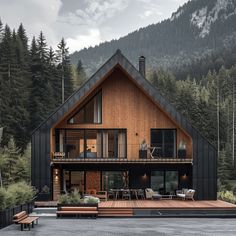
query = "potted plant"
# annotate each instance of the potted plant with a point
(143, 150)
(182, 149)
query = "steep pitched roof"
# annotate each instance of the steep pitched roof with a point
(118, 59)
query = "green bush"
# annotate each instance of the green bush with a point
(16, 194)
(2, 198)
(91, 200)
(227, 196)
(73, 198)
(22, 192)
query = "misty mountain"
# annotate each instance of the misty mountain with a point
(197, 29)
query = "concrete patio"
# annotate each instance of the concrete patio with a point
(130, 226)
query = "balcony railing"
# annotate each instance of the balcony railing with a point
(133, 152)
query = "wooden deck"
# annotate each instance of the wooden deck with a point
(167, 204)
(160, 208)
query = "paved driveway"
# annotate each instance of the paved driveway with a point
(130, 226)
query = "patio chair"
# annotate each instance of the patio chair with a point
(186, 194)
(126, 194)
(111, 194)
(150, 194)
(140, 194)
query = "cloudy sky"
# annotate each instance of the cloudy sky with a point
(84, 23)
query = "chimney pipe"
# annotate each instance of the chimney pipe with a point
(142, 69)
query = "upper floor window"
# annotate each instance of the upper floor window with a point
(90, 113)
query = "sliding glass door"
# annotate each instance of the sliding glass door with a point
(165, 182)
(91, 143)
(165, 142)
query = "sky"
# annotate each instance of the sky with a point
(84, 23)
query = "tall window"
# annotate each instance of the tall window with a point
(91, 143)
(165, 141)
(166, 182)
(114, 180)
(90, 113)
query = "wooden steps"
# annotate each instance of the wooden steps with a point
(115, 212)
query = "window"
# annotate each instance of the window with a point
(114, 180)
(165, 141)
(166, 182)
(90, 113)
(91, 143)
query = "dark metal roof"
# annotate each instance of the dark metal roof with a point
(119, 59)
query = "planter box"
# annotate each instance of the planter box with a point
(6, 215)
(143, 154)
(77, 205)
(182, 153)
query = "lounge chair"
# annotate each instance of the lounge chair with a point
(186, 194)
(150, 194)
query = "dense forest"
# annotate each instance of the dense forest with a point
(197, 29)
(31, 79)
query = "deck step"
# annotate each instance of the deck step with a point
(115, 212)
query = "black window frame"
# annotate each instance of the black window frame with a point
(84, 108)
(175, 145)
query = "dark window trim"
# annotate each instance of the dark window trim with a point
(176, 150)
(116, 131)
(83, 107)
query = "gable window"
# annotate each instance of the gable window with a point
(90, 113)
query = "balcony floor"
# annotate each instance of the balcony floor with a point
(122, 160)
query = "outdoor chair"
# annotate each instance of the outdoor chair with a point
(126, 194)
(186, 194)
(111, 194)
(140, 194)
(150, 194)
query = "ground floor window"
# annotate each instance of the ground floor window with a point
(114, 180)
(73, 180)
(166, 182)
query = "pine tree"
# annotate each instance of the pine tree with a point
(64, 68)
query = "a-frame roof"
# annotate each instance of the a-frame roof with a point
(118, 59)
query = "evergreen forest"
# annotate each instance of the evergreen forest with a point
(32, 75)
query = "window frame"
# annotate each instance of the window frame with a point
(84, 108)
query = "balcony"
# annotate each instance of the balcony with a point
(123, 154)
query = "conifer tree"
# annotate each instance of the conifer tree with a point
(64, 68)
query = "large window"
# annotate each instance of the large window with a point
(166, 182)
(73, 180)
(114, 180)
(91, 143)
(90, 113)
(165, 141)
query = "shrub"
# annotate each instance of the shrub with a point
(22, 192)
(64, 199)
(91, 200)
(2, 198)
(75, 197)
(16, 194)
(227, 196)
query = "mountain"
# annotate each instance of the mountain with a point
(197, 29)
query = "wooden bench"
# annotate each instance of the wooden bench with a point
(78, 211)
(25, 220)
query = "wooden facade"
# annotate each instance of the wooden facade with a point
(126, 106)
(129, 103)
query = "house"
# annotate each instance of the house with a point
(92, 141)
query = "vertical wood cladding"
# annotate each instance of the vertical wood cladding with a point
(93, 180)
(124, 105)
